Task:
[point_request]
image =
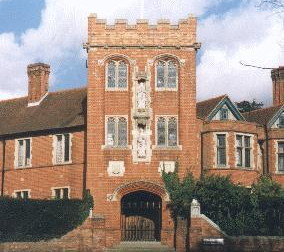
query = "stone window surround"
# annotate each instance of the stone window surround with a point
(276, 155)
(167, 59)
(61, 191)
(156, 146)
(116, 125)
(252, 165)
(16, 154)
(116, 60)
(215, 141)
(54, 143)
(21, 191)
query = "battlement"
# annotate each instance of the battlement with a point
(142, 34)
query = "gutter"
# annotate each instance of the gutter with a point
(3, 166)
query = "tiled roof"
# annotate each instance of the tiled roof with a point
(61, 109)
(262, 116)
(204, 108)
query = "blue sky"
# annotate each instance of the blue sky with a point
(52, 31)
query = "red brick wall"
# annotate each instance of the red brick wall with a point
(43, 175)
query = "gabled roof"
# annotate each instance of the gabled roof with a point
(207, 109)
(63, 109)
(265, 116)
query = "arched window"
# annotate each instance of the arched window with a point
(116, 131)
(116, 74)
(161, 131)
(167, 133)
(166, 74)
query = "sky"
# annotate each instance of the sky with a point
(231, 31)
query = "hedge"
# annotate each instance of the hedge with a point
(34, 220)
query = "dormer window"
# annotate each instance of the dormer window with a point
(166, 75)
(116, 74)
(224, 114)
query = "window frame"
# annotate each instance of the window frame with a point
(61, 188)
(55, 142)
(222, 118)
(166, 87)
(281, 141)
(17, 145)
(116, 85)
(116, 131)
(14, 195)
(167, 118)
(243, 148)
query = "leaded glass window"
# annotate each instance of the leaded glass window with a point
(166, 74)
(62, 148)
(172, 132)
(116, 131)
(23, 152)
(221, 150)
(116, 74)
(281, 156)
(122, 132)
(161, 131)
(167, 131)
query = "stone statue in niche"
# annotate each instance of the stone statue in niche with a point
(141, 95)
(141, 142)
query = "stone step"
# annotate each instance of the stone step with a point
(140, 247)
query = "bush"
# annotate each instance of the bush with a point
(34, 220)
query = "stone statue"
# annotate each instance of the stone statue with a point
(141, 95)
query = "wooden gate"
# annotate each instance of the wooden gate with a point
(141, 217)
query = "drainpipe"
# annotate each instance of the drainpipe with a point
(3, 165)
(201, 154)
(266, 170)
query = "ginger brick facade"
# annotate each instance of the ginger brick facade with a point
(137, 116)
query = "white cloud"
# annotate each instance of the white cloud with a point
(250, 35)
(244, 34)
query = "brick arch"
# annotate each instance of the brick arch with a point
(116, 56)
(141, 185)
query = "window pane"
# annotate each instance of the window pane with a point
(224, 114)
(122, 75)
(59, 146)
(221, 156)
(111, 131)
(281, 121)
(239, 157)
(239, 141)
(172, 132)
(122, 132)
(65, 193)
(281, 162)
(111, 74)
(221, 140)
(160, 74)
(25, 194)
(57, 193)
(21, 153)
(28, 152)
(247, 158)
(161, 131)
(67, 147)
(18, 195)
(172, 74)
(247, 141)
(281, 147)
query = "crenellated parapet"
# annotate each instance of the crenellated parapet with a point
(142, 34)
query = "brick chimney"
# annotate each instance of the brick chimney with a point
(277, 76)
(38, 75)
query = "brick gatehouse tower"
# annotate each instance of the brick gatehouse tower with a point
(141, 117)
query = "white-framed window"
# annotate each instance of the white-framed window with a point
(60, 192)
(221, 150)
(62, 148)
(116, 74)
(23, 152)
(167, 131)
(166, 75)
(244, 150)
(224, 114)
(116, 131)
(22, 194)
(280, 156)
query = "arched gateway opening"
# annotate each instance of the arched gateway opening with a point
(141, 216)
